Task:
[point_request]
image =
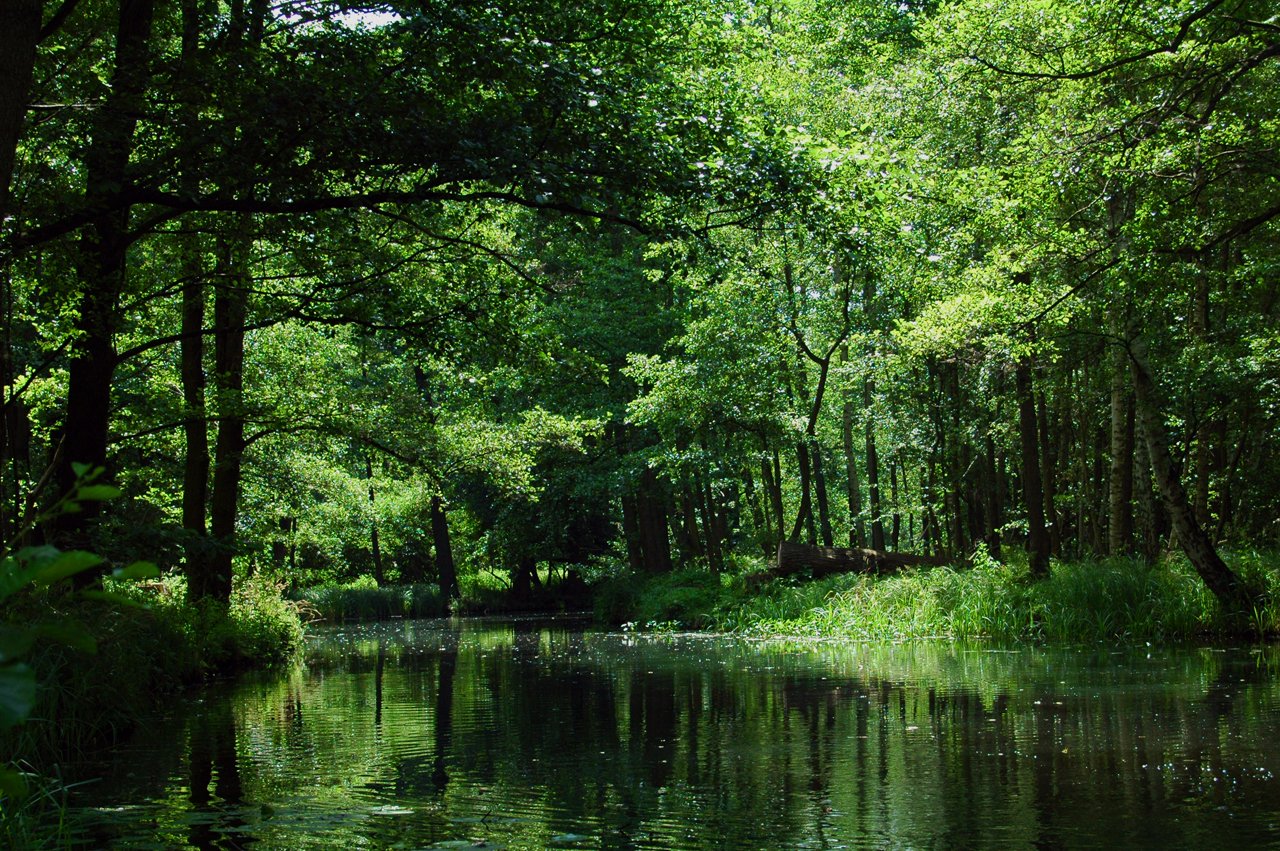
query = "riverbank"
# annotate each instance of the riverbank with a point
(1115, 599)
(125, 660)
(363, 600)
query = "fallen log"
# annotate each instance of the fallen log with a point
(795, 558)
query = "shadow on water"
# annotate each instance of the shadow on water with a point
(537, 735)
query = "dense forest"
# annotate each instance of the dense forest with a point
(502, 292)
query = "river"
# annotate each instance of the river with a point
(547, 734)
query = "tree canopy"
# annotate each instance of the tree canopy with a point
(428, 290)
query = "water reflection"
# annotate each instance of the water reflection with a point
(535, 735)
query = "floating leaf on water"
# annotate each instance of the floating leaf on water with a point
(569, 838)
(391, 810)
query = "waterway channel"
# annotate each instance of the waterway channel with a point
(538, 734)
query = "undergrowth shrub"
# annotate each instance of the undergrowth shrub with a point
(152, 647)
(1114, 599)
(363, 600)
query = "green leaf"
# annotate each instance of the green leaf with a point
(68, 564)
(97, 493)
(17, 694)
(13, 577)
(137, 570)
(112, 597)
(70, 633)
(12, 784)
(14, 642)
(80, 469)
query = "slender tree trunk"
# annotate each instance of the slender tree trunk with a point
(446, 571)
(1201, 452)
(656, 542)
(1032, 491)
(711, 526)
(523, 577)
(631, 531)
(804, 515)
(630, 506)
(873, 467)
(195, 423)
(101, 269)
(1048, 475)
(1200, 551)
(19, 30)
(195, 426)
(1120, 528)
(953, 448)
(688, 542)
(1149, 527)
(820, 491)
(773, 476)
(758, 507)
(1098, 477)
(857, 527)
(375, 546)
(894, 468)
(230, 306)
(991, 496)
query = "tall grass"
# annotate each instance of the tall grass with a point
(1116, 599)
(38, 819)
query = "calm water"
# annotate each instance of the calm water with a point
(466, 734)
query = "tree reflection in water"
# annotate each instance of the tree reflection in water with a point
(533, 735)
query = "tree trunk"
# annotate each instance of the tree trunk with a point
(1120, 528)
(230, 306)
(759, 513)
(446, 572)
(523, 577)
(873, 466)
(19, 31)
(820, 491)
(631, 531)
(1200, 551)
(710, 525)
(823, 561)
(195, 425)
(857, 527)
(804, 515)
(655, 541)
(101, 268)
(1149, 525)
(896, 528)
(1032, 491)
(1048, 476)
(375, 545)
(688, 542)
(991, 497)
(1203, 431)
(773, 482)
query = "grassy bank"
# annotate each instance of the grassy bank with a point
(151, 648)
(1116, 599)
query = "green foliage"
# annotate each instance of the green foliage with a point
(362, 600)
(265, 628)
(140, 643)
(1113, 600)
(681, 599)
